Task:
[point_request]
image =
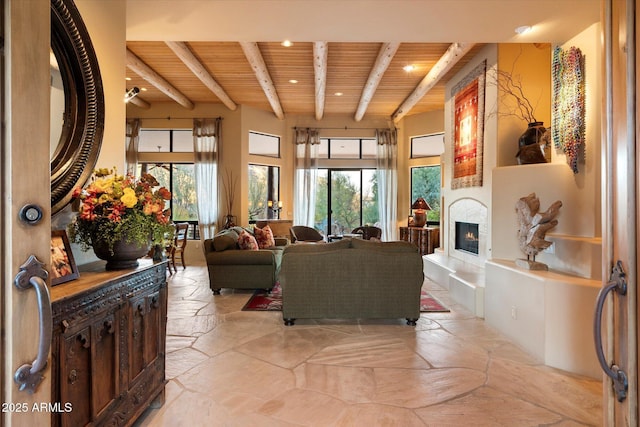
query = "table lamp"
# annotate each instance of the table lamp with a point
(420, 215)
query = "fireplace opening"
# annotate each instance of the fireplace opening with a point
(466, 238)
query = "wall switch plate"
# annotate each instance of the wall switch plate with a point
(514, 312)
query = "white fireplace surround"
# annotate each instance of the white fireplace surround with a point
(472, 211)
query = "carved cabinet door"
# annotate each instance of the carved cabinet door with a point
(89, 369)
(146, 331)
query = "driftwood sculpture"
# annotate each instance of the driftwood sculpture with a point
(533, 226)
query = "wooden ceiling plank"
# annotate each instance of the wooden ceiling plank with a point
(183, 52)
(386, 54)
(454, 53)
(320, 53)
(252, 52)
(136, 65)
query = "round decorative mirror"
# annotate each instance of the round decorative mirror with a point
(75, 150)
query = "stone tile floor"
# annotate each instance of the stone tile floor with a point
(226, 367)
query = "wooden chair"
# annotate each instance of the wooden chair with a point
(302, 233)
(178, 246)
(368, 232)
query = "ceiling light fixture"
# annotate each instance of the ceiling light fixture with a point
(408, 68)
(287, 43)
(338, 94)
(294, 81)
(131, 93)
(523, 29)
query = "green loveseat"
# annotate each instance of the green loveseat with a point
(234, 268)
(351, 278)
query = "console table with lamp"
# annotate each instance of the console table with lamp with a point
(425, 238)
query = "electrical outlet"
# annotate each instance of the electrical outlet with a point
(514, 312)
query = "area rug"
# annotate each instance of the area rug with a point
(262, 300)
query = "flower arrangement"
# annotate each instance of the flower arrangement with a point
(116, 207)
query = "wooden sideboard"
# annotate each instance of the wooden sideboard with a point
(108, 346)
(425, 238)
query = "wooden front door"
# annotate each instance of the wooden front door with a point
(24, 180)
(620, 243)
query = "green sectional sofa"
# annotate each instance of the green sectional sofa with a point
(235, 268)
(351, 278)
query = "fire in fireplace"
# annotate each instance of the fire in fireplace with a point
(466, 238)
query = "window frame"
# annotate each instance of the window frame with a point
(194, 232)
(329, 171)
(171, 132)
(271, 189)
(432, 165)
(273, 156)
(360, 140)
(425, 156)
(170, 158)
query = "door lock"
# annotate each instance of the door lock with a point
(30, 214)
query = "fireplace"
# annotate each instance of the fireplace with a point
(467, 237)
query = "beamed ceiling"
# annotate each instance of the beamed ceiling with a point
(339, 76)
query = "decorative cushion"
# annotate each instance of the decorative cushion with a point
(224, 240)
(264, 237)
(247, 241)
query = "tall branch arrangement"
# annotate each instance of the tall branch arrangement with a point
(230, 183)
(510, 86)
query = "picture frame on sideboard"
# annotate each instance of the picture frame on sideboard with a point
(63, 266)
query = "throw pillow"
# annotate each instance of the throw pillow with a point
(247, 241)
(224, 240)
(264, 237)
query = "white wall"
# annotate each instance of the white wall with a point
(577, 237)
(106, 23)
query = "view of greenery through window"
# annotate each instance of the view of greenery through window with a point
(264, 182)
(180, 180)
(346, 199)
(425, 183)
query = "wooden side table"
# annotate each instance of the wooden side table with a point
(425, 238)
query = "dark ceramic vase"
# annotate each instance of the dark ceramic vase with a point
(124, 255)
(529, 144)
(532, 135)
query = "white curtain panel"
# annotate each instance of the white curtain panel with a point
(206, 140)
(387, 174)
(304, 201)
(133, 138)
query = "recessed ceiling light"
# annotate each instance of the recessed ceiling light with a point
(127, 79)
(294, 81)
(287, 43)
(143, 89)
(523, 29)
(338, 94)
(408, 68)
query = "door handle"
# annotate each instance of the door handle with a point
(617, 283)
(32, 274)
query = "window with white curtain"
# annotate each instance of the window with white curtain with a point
(178, 177)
